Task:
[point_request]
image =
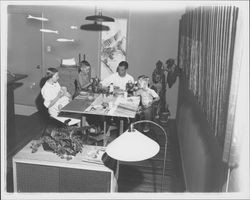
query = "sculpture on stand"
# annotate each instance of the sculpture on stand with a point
(159, 85)
(173, 71)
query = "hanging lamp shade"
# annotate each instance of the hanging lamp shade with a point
(100, 18)
(132, 146)
(94, 27)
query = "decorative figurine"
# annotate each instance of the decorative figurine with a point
(173, 71)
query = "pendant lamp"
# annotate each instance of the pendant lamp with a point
(94, 27)
(133, 146)
(100, 18)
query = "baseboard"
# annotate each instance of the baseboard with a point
(182, 163)
(24, 110)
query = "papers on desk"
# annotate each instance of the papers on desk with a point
(118, 106)
(81, 96)
(126, 107)
(93, 154)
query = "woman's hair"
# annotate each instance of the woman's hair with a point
(50, 72)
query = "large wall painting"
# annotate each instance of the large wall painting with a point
(113, 46)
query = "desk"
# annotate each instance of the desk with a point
(11, 85)
(118, 107)
(44, 171)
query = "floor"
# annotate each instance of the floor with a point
(144, 176)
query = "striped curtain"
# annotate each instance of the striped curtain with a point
(206, 47)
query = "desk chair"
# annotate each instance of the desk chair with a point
(45, 116)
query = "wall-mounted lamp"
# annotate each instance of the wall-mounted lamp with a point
(37, 18)
(49, 31)
(64, 40)
(73, 27)
(134, 146)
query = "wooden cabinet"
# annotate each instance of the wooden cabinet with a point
(11, 86)
(47, 172)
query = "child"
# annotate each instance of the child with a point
(148, 97)
(84, 74)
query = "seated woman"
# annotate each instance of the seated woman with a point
(148, 97)
(55, 97)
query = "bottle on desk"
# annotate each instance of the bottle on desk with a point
(111, 88)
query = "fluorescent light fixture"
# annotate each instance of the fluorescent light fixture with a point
(73, 27)
(37, 18)
(49, 31)
(64, 40)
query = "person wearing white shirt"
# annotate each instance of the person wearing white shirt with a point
(55, 97)
(148, 97)
(120, 78)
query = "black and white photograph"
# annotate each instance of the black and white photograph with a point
(124, 99)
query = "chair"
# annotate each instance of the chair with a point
(46, 119)
(44, 114)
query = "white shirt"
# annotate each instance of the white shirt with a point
(49, 92)
(117, 80)
(147, 96)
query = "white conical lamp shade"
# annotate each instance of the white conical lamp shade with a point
(132, 146)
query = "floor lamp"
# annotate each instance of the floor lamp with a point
(132, 146)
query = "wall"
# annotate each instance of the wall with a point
(200, 151)
(152, 36)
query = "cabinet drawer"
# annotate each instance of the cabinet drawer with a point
(41, 178)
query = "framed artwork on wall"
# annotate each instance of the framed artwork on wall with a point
(113, 46)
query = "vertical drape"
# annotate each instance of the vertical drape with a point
(207, 36)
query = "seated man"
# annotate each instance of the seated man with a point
(148, 97)
(55, 97)
(120, 78)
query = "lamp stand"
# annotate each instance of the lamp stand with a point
(165, 150)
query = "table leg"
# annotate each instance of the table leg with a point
(84, 122)
(105, 132)
(121, 126)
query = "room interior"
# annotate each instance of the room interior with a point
(153, 33)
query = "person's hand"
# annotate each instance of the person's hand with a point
(64, 89)
(60, 94)
(68, 95)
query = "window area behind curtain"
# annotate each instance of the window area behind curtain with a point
(206, 47)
